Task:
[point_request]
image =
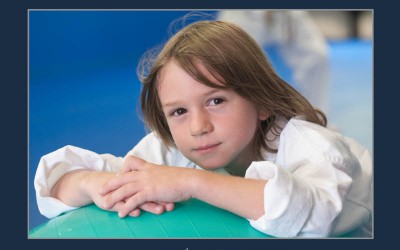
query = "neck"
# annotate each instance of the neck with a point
(236, 171)
(238, 167)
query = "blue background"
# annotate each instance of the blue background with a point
(83, 87)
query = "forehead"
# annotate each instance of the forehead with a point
(172, 73)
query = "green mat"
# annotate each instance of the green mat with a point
(189, 219)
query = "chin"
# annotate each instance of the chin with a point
(210, 166)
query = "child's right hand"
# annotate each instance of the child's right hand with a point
(80, 187)
(95, 180)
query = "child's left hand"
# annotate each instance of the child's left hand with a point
(140, 182)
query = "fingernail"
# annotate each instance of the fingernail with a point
(135, 213)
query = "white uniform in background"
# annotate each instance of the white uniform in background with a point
(319, 182)
(299, 41)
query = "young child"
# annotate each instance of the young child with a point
(213, 102)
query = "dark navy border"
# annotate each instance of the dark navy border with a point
(14, 121)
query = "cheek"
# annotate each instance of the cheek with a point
(247, 115)
(178, 133)
(241, 127)
(245, 128)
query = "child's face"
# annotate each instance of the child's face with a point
(213, 128)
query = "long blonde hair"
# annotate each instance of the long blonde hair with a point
(227, 52)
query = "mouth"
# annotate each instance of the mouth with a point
(207, 148)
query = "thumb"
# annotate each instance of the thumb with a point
(132, 163)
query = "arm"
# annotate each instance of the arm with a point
(304, 202)
(149, 182)
(53, 166)
(70, 177)
(69, 189)
(79, 188)
(241, 196)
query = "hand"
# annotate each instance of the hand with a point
(95, 180)
(152, 207)
(91, 181)
(140, 182)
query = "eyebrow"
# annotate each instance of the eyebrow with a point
(176, 103)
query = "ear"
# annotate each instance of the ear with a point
(263, 115)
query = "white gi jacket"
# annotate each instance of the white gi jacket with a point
(319, 182)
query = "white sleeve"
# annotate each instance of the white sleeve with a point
(301, 203)
(318, 184)
(54, 165)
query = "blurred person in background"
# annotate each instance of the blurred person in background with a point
(298, 41)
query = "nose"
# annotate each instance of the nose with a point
(200, 123)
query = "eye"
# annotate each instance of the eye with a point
(178, 112)
(216, 101)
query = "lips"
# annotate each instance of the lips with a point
(206, 148)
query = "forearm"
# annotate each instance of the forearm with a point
(151, 183)
(241, 196)
(73, 188)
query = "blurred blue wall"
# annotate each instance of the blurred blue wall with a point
(83, 88)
